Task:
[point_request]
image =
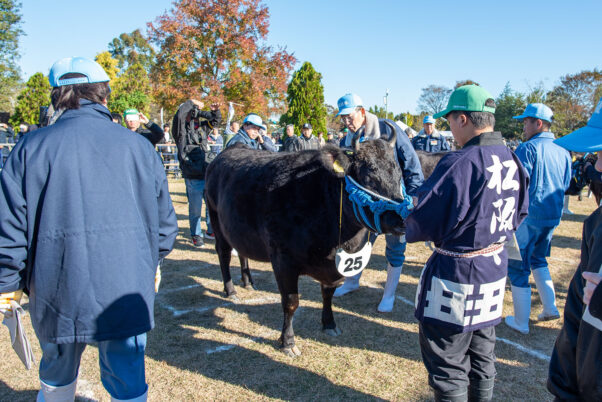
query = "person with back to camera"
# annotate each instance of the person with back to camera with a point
(84, 236)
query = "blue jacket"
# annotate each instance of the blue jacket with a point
(406, 155)
(86, 216)
(549, 169)
(244, 138)
(430, 143)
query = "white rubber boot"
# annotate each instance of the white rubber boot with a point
(63, 393)
(351, 283)
(141, 398)
(545, 288)
(386, 304)
(521, 298)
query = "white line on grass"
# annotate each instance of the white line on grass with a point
(406, 301)
(177, 312)
(532, 352)
(230, 346)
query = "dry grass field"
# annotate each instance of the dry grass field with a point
(206, 347)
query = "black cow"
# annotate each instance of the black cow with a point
(579, 179)
(428, 161)
(284, 208)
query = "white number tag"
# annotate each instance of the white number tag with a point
(354, 263)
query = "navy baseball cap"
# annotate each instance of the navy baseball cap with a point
(536, 111)
(92, 71)
(307, 125)
(588, 138)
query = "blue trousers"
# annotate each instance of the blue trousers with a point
(535, 243)
(195, 191)
(395, 250)
(121, 365)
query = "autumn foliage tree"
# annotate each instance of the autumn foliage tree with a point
(214, 50)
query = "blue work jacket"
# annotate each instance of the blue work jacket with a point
(549, 168)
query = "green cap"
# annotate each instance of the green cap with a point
(130, 112)
(467, 98)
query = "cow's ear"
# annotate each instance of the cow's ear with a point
(336, 160)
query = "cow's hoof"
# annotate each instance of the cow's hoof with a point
(249, 286)
(233, 297)
(332, 331)
(292, 351)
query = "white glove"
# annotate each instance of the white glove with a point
(157, 278)
(6, 298)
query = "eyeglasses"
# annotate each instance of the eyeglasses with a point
(348, 118)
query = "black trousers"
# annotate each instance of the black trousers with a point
(455, 359)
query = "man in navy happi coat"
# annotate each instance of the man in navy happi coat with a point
(471, 204)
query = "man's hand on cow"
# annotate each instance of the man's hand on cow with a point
(197, 103)
(592, 279)
(214, 106)
(143, 118)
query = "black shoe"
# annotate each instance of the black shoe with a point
(197, 241)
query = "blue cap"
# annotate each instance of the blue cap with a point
(92, 70)
(588, 138)
(254, 119)
(537, 111)
(347, 103)
(428, 119)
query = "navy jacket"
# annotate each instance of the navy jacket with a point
(86, 216)
(151, 132)
(244, 138)
(430, 143)
(476, 197)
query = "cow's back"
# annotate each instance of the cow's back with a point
(268, 203)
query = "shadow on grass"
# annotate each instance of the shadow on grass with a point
(574, 218)
(9, 394)
(180, 345)
(561, 241)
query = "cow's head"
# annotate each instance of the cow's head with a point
(373, 165)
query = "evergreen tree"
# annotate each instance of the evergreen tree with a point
(35, 94)
(10, 30)
(305, 97)
(509, 104)
(132, 48)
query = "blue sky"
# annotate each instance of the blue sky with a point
(365, 47)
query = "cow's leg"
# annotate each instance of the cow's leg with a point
(287, 284)
(245, 273)
(328, 325)
(224, 253)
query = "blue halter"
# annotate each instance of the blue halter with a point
(361, 197)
